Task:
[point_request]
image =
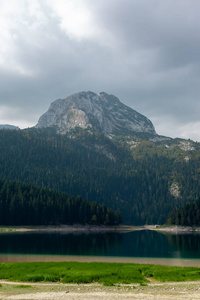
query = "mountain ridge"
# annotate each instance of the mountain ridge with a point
(8, 126)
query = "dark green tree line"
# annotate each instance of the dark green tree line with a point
(188, 215)
(24, 204)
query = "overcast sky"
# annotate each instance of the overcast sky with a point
(145, 52)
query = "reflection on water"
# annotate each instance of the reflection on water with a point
(185, 245)
(59, 243)
(132, 244)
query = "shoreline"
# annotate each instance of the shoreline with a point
(68, 228)
(178, 262)
(99, 228)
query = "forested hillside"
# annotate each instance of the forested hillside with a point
(188, 215)
(144, 179)
(24, 204)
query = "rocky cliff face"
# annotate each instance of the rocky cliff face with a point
(103, 113)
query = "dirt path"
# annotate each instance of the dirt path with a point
(153, 291)
(106, 296)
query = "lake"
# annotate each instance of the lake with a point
(136, 244)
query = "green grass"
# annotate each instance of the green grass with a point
(22, 286)
(105, 273)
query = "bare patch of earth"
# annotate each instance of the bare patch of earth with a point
(153, 291)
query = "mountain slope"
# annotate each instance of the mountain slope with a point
(145, 180)
(103, 113)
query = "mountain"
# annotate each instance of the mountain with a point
(11, 127)
(102, 113)
(106, 153)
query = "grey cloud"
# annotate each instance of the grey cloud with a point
(170, 29)
(151, 63)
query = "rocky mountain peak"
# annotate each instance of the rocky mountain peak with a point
(101, 112)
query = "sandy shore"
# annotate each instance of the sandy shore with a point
(152, 291)
(69, 228)
(102, 228)
(178, 229)
(5, 258)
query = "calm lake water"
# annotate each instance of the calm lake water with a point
(133, 244)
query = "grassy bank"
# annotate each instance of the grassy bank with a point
(106, 273)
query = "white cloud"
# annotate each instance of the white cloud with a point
(12, 116)
(78, 19)
(169, 126)
(190, 131)
(75, 18)
(22, 26)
